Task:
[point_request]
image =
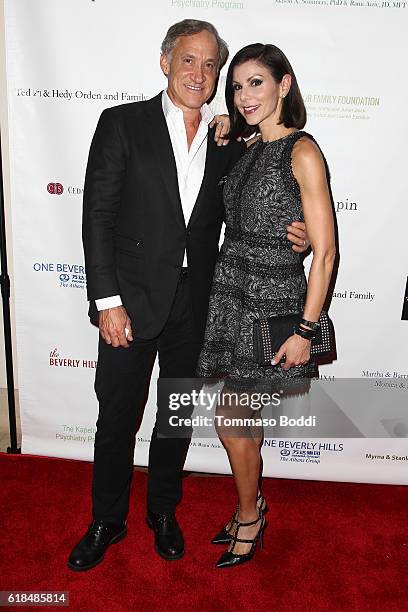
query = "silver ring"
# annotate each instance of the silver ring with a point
(220, 123)
(304, 243)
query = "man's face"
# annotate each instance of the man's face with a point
(191, 70)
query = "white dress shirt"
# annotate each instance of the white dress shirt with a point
(190, 164)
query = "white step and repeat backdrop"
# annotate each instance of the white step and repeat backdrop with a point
(68, 60)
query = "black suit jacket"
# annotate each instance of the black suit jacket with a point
(134, 234)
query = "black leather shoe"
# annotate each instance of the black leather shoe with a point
(91, 548)
(169, 542)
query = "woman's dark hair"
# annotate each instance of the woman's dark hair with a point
(293, 109)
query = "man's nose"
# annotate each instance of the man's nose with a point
(198, 74)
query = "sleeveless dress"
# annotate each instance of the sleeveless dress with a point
(257, 273)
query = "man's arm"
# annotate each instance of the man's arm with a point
(298, 236)
(103, 184)
(108, 302)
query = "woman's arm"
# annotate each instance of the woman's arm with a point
(310, 173)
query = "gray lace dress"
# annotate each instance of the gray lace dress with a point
(257, 273)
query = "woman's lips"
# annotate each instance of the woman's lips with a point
(248, 110)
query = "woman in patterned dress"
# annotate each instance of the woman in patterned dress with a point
(281, 177)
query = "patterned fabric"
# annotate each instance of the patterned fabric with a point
(257, 272)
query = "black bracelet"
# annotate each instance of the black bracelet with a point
(308, 334)
(311, 324)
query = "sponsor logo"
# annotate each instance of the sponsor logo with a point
(392, 5)
(302, 451)
(67, 275)
(370, 457)
(354, 295)
(207, 4)
(345, 206)
(383, 374)
(76, 433)
(80, 94)
(300, 456)
(55, 188)
(56, 360)
(346, 100)
(378, 4)
(404, 315)
(391, 383)
(75, 190)
(58, 189)
(340, 105)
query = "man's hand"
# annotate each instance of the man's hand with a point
(297, 235)
(112, 325)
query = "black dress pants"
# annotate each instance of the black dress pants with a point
(121, 385)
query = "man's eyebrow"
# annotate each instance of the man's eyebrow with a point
(192, 55)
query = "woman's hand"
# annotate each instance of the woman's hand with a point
(297, 351)
(223, 127)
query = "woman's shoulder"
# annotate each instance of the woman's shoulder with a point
(305, 149)
(307, 158)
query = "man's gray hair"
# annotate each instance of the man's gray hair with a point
(188, 27)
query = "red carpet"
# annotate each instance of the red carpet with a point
(328, 546)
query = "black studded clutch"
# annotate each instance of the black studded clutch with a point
(269, 335)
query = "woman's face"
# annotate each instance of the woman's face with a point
(257, 95)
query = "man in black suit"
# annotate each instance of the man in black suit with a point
(152, 204)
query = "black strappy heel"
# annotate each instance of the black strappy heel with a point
(229, 558)
(224, 536)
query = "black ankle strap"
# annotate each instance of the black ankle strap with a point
(246, 541)
(235, 539)
(249, 524)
